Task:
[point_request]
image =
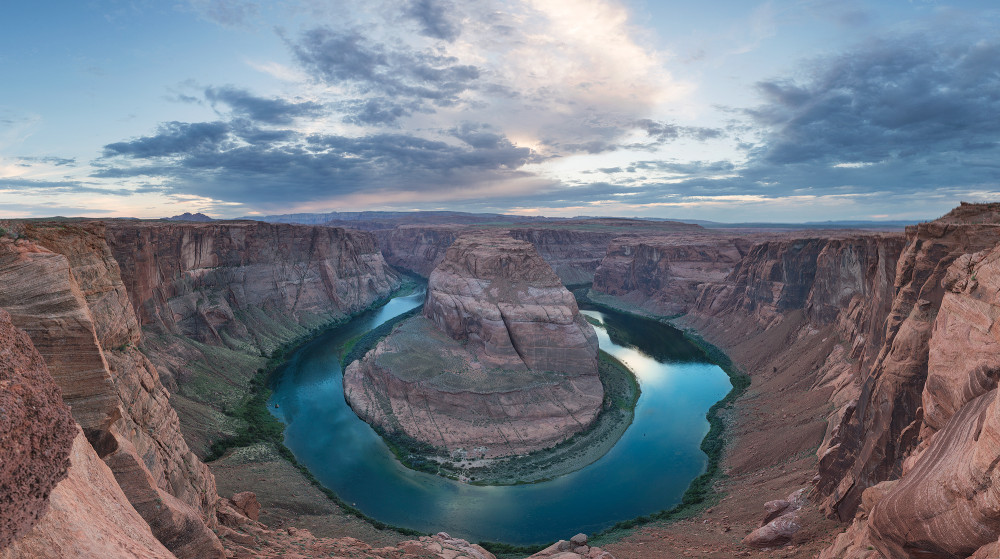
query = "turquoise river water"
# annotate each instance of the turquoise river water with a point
(647, 471)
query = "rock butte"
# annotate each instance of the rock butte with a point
(501, 361)
(895, 333)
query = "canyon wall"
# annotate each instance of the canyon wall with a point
(215, 300)
(898, 334)
(662, 274)
(63, 287)
(36, 433)
(574, 249)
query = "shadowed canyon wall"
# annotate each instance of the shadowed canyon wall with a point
(215, 300)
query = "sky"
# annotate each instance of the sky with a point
(726, 110)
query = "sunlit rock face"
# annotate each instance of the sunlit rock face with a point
(501, 359)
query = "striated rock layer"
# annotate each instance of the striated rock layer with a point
(497, 293)
(502, 361)
(215, 300)
(63, 287)
(883, 425)
(36, 433)
(573, 248)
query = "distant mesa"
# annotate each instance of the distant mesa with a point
(188, 216)
(500, 363)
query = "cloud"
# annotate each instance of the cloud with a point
(337, 56)
(230, 13)
(236, 161)
(432, 15)
(173, 138)
(260, 109)
(58, 187)
(49, 160)
(911, 97)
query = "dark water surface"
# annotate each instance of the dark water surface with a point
(647, 471)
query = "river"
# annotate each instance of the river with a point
(647, 471)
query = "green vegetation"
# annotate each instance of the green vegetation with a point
(357, 347)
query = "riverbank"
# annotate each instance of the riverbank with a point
(703, 492)
(256, 453)
(758, 462)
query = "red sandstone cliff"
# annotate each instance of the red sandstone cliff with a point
(36, 433)
(63, 287)
(574, 249)
(662, 274)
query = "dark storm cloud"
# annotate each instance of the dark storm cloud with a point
(907, 97)
(173, 138)
(261, 109)
(432, 16)
(337, 56)
(246, 164)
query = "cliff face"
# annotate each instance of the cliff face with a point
(663, 274)
(216, 299)
(878, 431)
(89, 517)
(574, 250)
(36, 433)
(499, 294)
(501, 361)
(63, 287)
(944, 503)
(417, 249)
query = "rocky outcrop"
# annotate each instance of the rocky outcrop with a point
(89, 517)
(36, 433)
(500, 296)
(501, 363)
(575, 548)
(781, 522)
(62, 285)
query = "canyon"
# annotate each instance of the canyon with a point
(872, 358)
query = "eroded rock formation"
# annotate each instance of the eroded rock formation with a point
(502, 361)
(63, 287)
(36, 433)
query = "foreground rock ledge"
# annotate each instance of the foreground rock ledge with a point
(501, 363)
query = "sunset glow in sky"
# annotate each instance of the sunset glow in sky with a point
(727, 110)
